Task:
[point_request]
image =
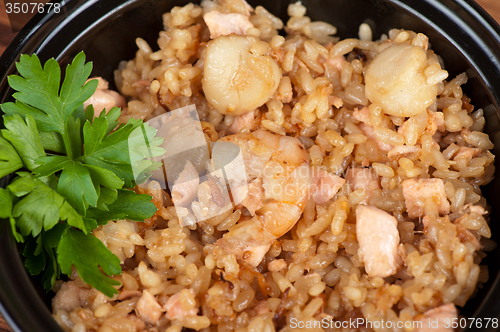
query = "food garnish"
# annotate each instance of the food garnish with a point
(70, 171)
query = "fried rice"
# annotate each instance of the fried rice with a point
(417, 168)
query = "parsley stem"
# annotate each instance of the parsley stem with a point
(67, 144)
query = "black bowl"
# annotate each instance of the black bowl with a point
(460, 31)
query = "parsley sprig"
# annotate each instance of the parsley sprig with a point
(71, 171)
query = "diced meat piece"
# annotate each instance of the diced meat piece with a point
(378, 237)
(364, 178)
(242, 121)
(148, 309)
(337, 62)
(438, 319)
(435, 122)
(325, 186)
(397, 152)
(369, 132)
(185, 187)
(467, 153)
(69, 297)
(362, 115)
(177, 308)
(222, 24)
(103, 98)
(415, 193)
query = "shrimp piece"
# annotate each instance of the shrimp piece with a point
(148, 309)
(364, 178)
(281, 163)
(103, 98)
(325, 186)
(185, 187)
(239, 74)
(437, 319)
(402, 89)
(181, 304)
(378, 237)
(221, 24)
(416, 191)
(250, 195)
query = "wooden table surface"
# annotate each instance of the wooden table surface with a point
(6, 35)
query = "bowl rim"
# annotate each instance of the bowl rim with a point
(13, 303)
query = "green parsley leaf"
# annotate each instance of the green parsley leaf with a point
(114, 151)
(78, 166)
(89, 256)
(6, 212)
(52, 141)
(90, 224)
(50, 164)
(75, 184)
(104, 177)
(42, 208)
(52, 237)
(143, 147)
(23, 135)
(39, 209)
(128, 205)
(34, 253)
(110, 152)
(51, 240)
(74, 127)
(52, 270)
(5, 203)
(10, 161)
(106, 197)
(38, 91)
(22, 185)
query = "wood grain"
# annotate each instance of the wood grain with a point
(6, 36)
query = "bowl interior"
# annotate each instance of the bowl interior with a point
(106, 31)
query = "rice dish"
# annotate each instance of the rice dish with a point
(360, 206)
